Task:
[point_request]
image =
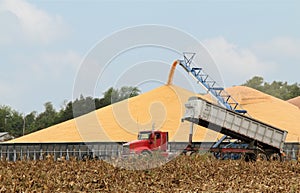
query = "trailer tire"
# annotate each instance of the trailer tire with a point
(190, 153)
(217, 155)
(249, 157)
(261, 157)
(275, 157)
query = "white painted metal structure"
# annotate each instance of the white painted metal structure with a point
(233, 124)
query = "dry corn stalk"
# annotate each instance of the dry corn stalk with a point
(183, 174)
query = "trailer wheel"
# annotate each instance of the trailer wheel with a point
(261, 157)
(249, 157)
(190, 153)
(275, 157)
(246, 157)
(217, 155)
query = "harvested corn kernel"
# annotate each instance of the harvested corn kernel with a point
(164, 106)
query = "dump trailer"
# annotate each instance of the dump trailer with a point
(262, 140)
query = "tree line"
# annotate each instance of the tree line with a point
(278, 89)
(17, 124)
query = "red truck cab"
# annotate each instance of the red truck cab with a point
(147, 142)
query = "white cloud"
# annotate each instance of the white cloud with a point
(22, 18)
(236, 64)
(29, 43)
(279, 47)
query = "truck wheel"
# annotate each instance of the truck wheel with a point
(275, 157)
(190, 153)
(249, 157)
(217, 155)
(261, 157)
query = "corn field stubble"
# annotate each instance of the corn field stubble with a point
(183, 174)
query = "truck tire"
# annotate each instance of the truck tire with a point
(190, 153)
(249, 157)
(261, 157)
(275, 157)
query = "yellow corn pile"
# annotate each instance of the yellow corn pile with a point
(268, 109)
(164, 106)
(295, 101)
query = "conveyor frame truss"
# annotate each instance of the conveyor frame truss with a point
(209, 84)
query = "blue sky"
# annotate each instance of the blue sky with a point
(42, 43)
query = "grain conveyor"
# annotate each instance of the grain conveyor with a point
(229, 118)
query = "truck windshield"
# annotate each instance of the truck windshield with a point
(144, 135)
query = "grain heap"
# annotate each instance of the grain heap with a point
(121, 121)
(269, 109)
(164, 106)
(295, 101)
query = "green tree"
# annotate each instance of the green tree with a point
(294, 90)
(30, 125)
(46, 118)
(115, 95)
(110, 96)
(11, 121)
(256, 82)
(127, 91)
(16, 124)
(66, 112)
(5, 114)
(83, 105)
(277, 89)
